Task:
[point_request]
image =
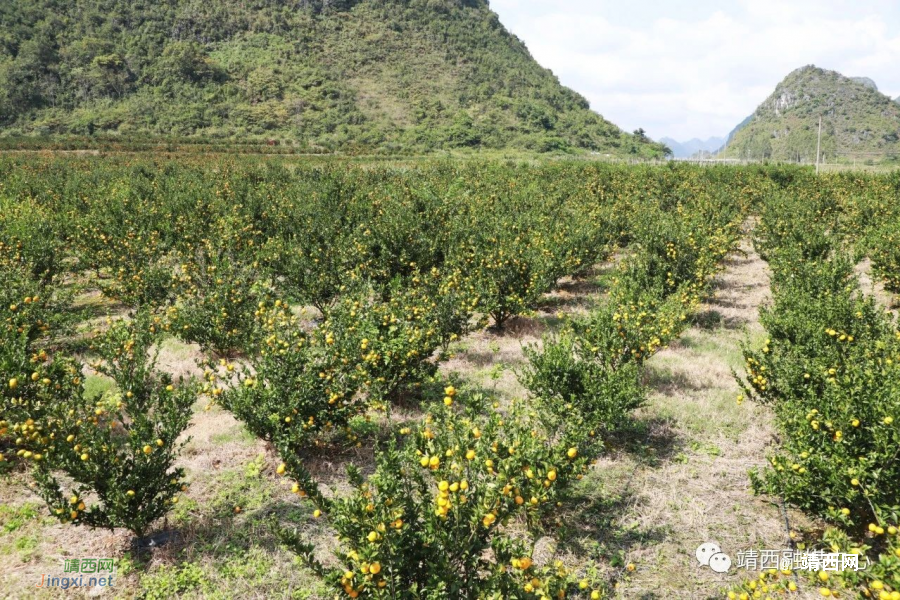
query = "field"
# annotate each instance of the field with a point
(270, 376)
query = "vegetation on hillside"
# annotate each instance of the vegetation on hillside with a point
(397, 75)
(858, 121)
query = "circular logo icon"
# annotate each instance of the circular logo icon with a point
(706, 551)
(720, 563)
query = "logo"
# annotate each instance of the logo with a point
(711, 555)
(82, 572)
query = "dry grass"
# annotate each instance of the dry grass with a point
(179, 359)
(875, 288)
(679, 477)
(489, 359)
(32, 544)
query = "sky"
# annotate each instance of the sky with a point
(696, 68)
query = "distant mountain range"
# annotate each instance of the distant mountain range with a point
(692, 147)
(858, 121)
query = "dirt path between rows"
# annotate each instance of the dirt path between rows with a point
(872, 287)
(680, 478)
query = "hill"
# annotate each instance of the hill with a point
(692, 147)
(738, 127)
(858, 121)
(392, 75)
(866, 81)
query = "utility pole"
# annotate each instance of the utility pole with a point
(818, 145)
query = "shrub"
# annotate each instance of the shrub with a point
(217, 302)
(580, 389)
(830, 369)
(510, 273)
(117, 452)
(388, 344)
(431, 521)
(295, 389)
(33, 385)
(884, 250)
(313, 267)
(30, 239)
(33, 378)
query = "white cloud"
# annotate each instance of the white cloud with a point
(696, 68)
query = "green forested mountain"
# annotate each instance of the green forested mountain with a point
(858, 121)
(331, 74)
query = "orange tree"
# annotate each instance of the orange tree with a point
(125, 241)
(829, 370)
(389, 343)
(300, 383)
(884, 249)
(33, 378)
(295, 391)
(589, 374)
(32, 238)
(34, 382)
(509, 269)
(218, 296)
(442, 497)
(314, 241)
(117, 451)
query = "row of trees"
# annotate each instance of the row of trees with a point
(196, 252)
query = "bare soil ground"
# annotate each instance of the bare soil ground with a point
(872, 286)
